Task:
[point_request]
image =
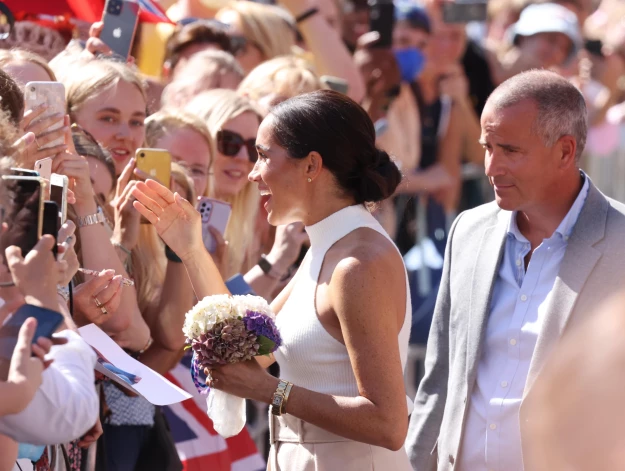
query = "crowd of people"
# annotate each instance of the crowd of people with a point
(456, 193)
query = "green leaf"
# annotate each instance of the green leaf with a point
(266, 345)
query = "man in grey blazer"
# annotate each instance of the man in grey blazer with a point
(518, 273)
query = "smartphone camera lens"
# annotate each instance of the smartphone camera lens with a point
(114, 7)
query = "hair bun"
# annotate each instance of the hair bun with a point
(379, 180)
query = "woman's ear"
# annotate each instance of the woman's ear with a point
(314, 165)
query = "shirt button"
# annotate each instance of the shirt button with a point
(504, 384)
(518, 262)
(512, 341)
(523, 297)
(493, 426)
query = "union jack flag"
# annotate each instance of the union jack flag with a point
(201, 448)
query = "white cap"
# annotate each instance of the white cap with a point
(548, 18)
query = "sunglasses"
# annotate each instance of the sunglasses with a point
(229, 143)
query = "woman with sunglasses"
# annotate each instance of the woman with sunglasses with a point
(345, 318)
(233, 122)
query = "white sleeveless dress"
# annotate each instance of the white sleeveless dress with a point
(311, 358)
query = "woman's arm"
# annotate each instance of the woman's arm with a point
(326, 45)
(367, 293)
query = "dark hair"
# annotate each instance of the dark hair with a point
(11, 98)
(338, 129)
(198, 32)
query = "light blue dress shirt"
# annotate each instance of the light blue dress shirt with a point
(492, 435)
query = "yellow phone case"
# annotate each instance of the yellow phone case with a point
(156, 163)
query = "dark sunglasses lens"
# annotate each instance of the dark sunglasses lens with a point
(251, 150)
(229, 143)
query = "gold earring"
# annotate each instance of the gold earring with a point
(309, 180)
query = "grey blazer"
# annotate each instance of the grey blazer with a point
(592, 269)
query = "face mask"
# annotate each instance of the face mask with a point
(30, 452)
(411, 61)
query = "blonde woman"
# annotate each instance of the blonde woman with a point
(25, 66)
(205, 71)
(261, 31)
(233, 123)
(108, 99)
(278, 79)
(187, 139)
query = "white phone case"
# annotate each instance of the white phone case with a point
(215, 214)
(53, 95)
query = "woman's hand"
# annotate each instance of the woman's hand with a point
(287, 246)
(26, 369)
(76, 168)
(175, 219)
(37, 275)
(98, 299)
(127, 218)
(95, 46)
(246, 379)
(221, 256)
(28, 149)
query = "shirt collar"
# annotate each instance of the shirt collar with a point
(568, 223)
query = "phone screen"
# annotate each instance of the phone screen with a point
(50, 222)
(24, 216)
(47, 323)
(56, 195)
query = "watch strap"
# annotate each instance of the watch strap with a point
(91, 219)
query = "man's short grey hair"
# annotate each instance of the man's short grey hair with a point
(561, 106)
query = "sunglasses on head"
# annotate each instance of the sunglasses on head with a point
(229, 143)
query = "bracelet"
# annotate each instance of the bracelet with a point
(63, 291)
(119, 246)
(171, 255)
(92, 219)
(307, 14)
(147, 345)
(287, 392)
(278, 401)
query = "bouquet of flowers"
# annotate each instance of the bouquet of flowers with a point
(225, 329)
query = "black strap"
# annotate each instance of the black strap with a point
(307, 14)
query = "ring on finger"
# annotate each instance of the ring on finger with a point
(103, 309)
(97, 302)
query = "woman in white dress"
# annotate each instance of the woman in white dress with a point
(345, 317)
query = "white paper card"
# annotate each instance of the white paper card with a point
(116, 364)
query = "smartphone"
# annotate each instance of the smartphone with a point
(50, 222)
(58, 194)
(25, 217)
(156, 163)
(23, 172)
(47, 323)
(335, 83)
(53, 95)
(382, 20)
(44, 168)
(214, 214)
(464, 12)
(120, 19)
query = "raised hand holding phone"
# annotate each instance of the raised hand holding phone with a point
(37, 274)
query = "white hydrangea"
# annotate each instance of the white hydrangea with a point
(208, 312)
(251, 303)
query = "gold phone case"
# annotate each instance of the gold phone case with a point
(156, 163)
